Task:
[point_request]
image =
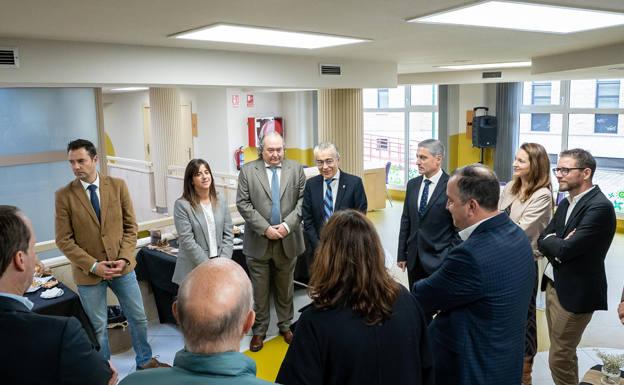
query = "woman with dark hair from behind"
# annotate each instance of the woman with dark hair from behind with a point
(363, 327)
(202, 220)
(528, 201)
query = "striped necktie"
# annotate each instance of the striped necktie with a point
(328, 201)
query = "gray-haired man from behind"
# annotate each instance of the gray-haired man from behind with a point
(214, 310)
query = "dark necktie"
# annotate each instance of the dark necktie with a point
(275, 198)
(328, 201)
(95, 202)
(423, 199)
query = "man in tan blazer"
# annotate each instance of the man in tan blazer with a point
(269, 198)
(96, 230)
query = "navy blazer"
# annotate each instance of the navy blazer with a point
(351, 195)
(482, 292)
(430, 238)
(578, 262)
(40, 349)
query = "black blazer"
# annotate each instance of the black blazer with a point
(430, 238)
(336, 347)
(38, 349)
(351, 195)
(578, 262)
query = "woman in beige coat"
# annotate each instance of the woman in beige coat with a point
(528, 201)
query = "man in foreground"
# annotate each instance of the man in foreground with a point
(214, 311)
(482, 289)
(38, 349)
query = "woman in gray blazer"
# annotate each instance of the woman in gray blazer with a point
(528, 201)
(202, 220)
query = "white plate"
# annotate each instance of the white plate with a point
(47, 293)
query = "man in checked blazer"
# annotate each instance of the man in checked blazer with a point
(576, 242)
(346, 191)
(96, 230)
(427, 232)
(269, 198)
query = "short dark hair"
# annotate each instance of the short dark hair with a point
(478, 182)
(82, 143)
(582, 157)
(14, 235)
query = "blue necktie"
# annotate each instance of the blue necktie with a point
(328, 201)
(95, 202)
(423, 200)
(275, 198)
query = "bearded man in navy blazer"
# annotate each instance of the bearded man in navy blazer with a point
(576, 242)
(427, 232)
(329, 192)
(482, 289)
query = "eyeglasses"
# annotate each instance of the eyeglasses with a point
(566, 170)
(329, 162)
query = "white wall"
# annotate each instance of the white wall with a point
(298, 117)
(123, 122)
(54, 63)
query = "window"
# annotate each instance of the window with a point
(541, 93)
(605, 123)
(607, 95)
(540, 122)
(587, 116)
(395, 121)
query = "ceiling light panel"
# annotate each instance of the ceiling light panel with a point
(264, 36)
(487, 66)
(526, 16)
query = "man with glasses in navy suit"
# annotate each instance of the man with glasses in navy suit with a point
(329, 192)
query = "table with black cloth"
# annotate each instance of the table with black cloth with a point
(67, 305)
(157, 268)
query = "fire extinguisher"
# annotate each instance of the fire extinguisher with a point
(239, 157)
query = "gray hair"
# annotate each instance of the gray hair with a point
(268, 135)
(198, 329)
(326, 146)
(435, 147)
(478, 182)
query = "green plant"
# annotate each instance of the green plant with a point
(611, 362)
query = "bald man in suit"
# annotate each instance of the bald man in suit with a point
(269, 198)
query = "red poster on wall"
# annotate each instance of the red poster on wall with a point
(235, 101)
(250, 100)
(258, 127)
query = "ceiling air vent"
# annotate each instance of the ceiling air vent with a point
(492, 75)
(330, 69)
(9, 58)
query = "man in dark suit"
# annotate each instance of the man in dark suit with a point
(269, 198)
(96, 229)
(427, 232)
(575, 242)
(38, 349)
(329, 192)
(481, 290)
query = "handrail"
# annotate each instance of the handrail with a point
(128, 160)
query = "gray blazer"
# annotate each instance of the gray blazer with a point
(253, 201)
(192, 231)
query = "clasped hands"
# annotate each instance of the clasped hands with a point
(275, 232)
(110, 269)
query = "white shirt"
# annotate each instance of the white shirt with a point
(212, 229)
(434, 182)
(467, 232)
(573, 201)
(334, 187)
(96, 182)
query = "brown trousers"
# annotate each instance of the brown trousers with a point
(565, 330)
